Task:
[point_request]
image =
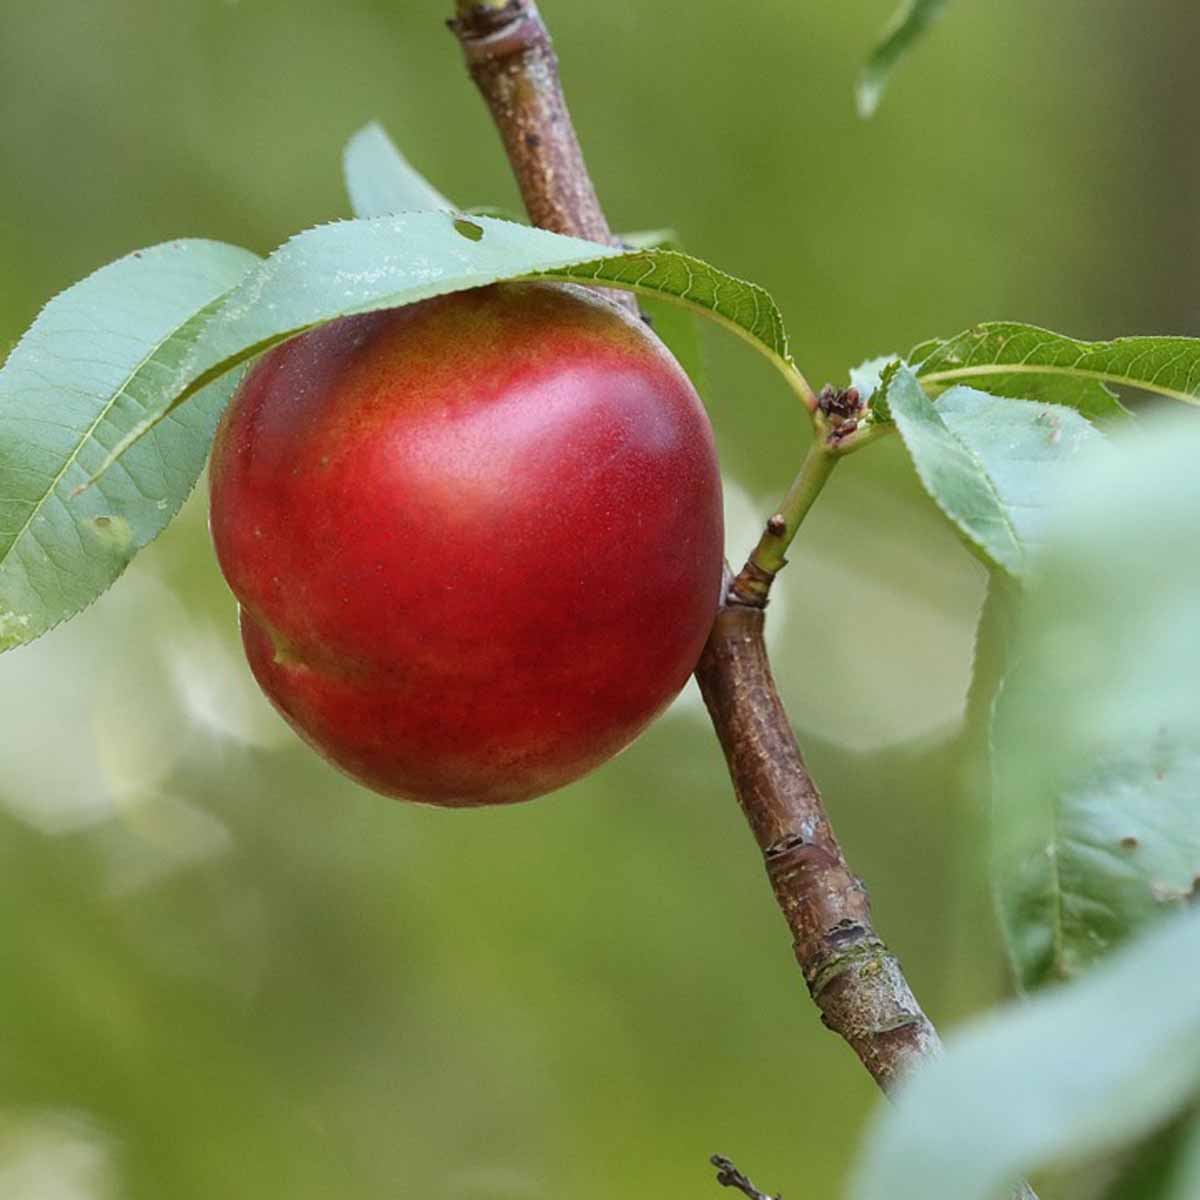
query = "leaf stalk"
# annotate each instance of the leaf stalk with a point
(753, 583)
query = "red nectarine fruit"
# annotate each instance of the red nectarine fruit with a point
(476, 541)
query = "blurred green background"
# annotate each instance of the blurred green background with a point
(228, 973)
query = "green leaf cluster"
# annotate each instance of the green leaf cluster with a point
(109, 403)
(1095, 742)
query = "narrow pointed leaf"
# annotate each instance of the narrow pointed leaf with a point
(1080, 1071)
(381, 181)
(952, 475)
(1024, 449)
(742, 307)
(1023, 360)
(361, 266)
(88, 371)
(990, 464)
(910, 21)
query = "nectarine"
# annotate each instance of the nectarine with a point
(476, 541)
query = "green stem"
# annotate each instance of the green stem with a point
(768, 558)
(865, 435)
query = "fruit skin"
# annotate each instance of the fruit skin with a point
(476, 541)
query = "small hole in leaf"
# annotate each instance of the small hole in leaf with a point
(468, 229)
(114, 532)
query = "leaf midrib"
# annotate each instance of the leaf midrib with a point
(955, 373)
(86, 436)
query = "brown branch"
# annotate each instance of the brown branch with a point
(510, 57)
(857, 984)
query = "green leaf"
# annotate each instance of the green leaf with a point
(990, 662)
(1080, 1070)
(1185, 1173)
(1012, 359)
(360, 266)
(1159, 1169)
(88, 371)
(873, 379)
(910, 21)
(381, 181)
(990, 464)
(743, 308)
(1024, 448)
(1096, 733)
(951, 474)
(677, 327)
(1089, 397)
(868, 376)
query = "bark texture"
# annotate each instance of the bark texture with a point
(509, 55)
(856, 982)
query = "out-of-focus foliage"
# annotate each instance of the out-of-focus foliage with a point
(1096, 734)
(1096, 749)
(589, 994)
(912, 19)
(1066, 1076)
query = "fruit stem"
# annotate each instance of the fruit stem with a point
(753, 583)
